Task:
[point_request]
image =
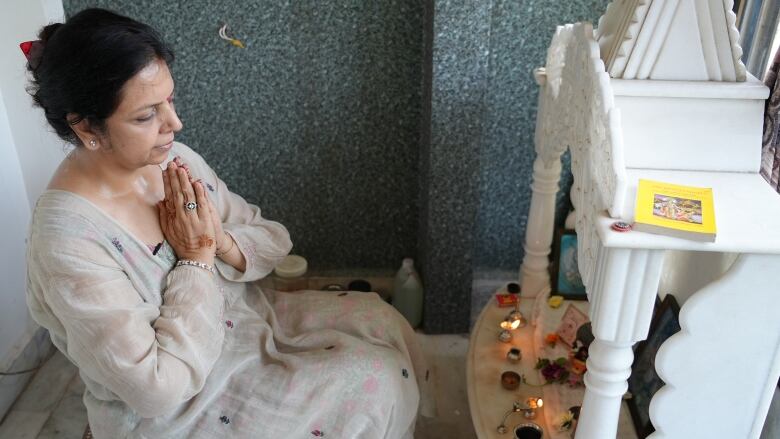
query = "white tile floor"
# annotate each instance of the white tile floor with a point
(51, 407)
(447, 355)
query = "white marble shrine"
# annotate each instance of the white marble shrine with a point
(658, 91)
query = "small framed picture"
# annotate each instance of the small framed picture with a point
(564, 272)
(570, 324)
(644, 382)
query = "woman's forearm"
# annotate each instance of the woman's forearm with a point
(233, 256)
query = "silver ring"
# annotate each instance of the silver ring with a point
(191, 205)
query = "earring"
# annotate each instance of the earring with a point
(92, 143)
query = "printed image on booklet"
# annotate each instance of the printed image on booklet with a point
(678, 209)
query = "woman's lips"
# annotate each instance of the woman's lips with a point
(166, 146)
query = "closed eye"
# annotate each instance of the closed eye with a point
(153, 107)
(146, 118)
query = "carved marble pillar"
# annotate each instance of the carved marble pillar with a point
(549, 145)
(622, 299)
(539, 230)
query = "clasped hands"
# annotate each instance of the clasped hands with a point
(194, 234)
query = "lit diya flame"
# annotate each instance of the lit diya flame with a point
(534, 403)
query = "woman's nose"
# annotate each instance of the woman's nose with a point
(172, 120)
(176, 124)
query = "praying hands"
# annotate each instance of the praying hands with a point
(198, 231)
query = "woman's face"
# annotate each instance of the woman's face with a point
(141, 130)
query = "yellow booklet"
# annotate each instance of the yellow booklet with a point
(670, 209)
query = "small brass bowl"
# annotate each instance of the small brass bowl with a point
(510, 380)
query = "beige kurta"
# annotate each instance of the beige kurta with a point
(177, 352)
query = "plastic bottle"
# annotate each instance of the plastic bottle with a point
(408, 293)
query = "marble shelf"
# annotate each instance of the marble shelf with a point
(734, 194)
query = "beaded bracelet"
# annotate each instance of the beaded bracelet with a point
(202, 265)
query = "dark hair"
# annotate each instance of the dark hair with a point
(84, 64)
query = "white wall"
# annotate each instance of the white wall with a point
(14, 320)
(29, 153)
(39, 151)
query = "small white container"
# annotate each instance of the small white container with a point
(290, 274)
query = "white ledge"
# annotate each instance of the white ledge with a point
(747, 214)
(752, 88)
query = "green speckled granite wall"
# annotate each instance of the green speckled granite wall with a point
(520, 34)
(479, 161)
(317, 121)
(372, 129)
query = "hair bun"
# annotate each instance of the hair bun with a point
(48, 31)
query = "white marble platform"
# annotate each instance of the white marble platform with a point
(486, 361)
